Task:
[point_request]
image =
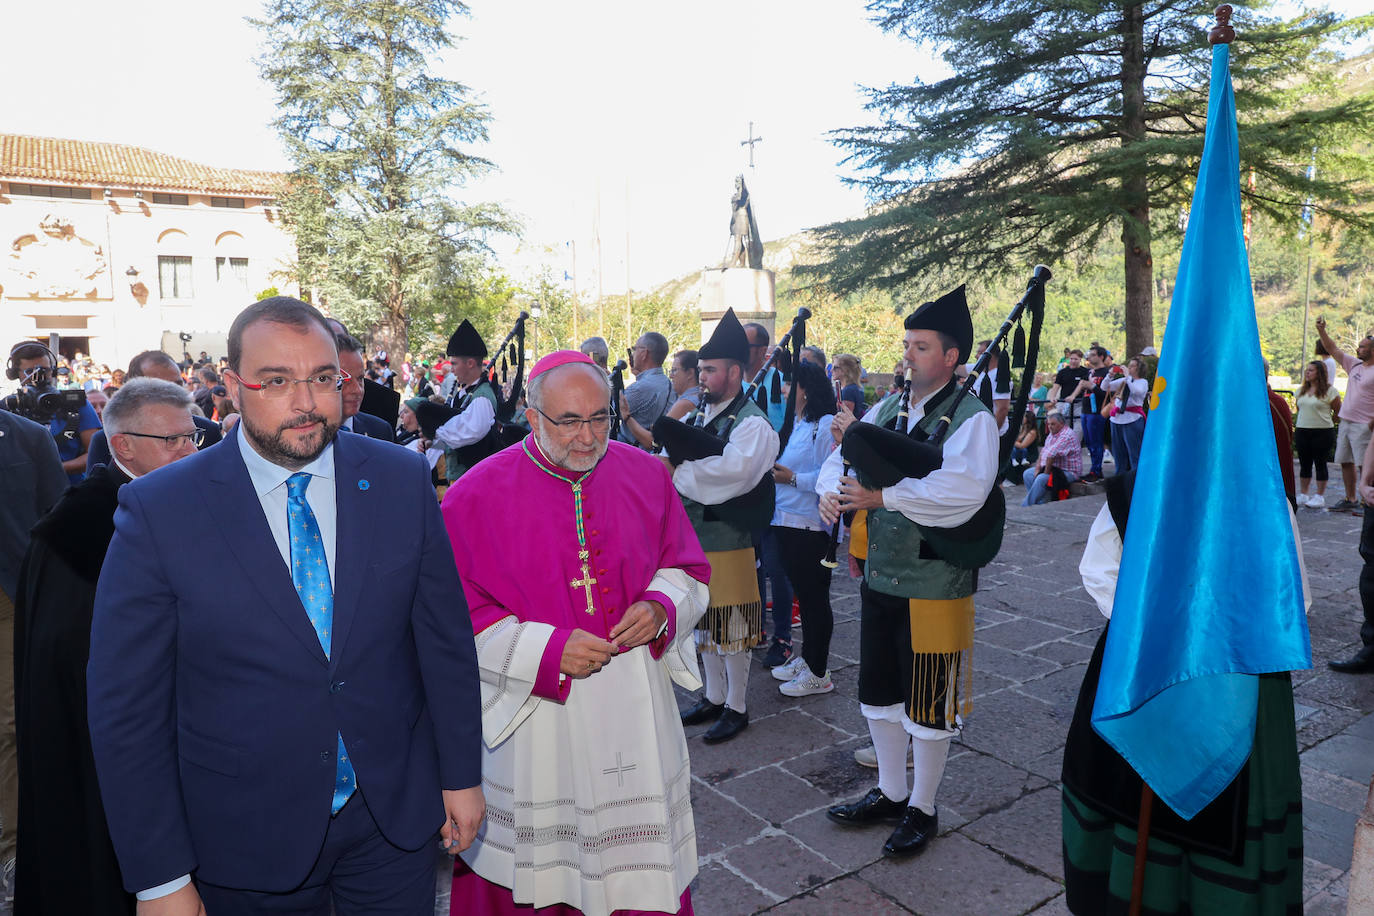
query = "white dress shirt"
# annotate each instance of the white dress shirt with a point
(269, 482)
(749, 454)
(950, 494)
(469, 426)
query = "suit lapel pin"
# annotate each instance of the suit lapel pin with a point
(363, 485)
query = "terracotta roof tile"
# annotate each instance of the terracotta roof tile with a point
(82, 162)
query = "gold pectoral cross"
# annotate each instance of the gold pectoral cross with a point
(586, 582)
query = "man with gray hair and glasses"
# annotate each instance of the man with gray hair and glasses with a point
(148, 423)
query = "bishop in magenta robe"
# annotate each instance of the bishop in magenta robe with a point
(562, 541)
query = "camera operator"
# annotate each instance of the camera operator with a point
(71, 421)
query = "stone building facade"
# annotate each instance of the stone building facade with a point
(119, 249)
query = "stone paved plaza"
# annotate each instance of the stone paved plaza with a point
(760, 800)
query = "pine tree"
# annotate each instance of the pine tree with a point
(381, 148)
(1065, 120)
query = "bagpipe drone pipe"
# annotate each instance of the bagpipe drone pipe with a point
(681, 442)
(882, 457)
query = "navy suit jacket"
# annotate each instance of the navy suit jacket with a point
(364, 424)
(213, 710)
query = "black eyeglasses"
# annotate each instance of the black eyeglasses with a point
(176, 441)
(599, 423)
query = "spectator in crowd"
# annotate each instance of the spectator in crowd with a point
(1127, 414)
(153, 364)
(351, 355)
(1318, 403)
(1039, 396)
(1356, 414)
(1066, 391)
(1094, 423)
(801, 536)
(423, 386)
(814, 355)
(1061, 450)
(768, 394)
(650, 394)
(32, 482)
(1024, 450)
(148, 423)
(117, 378)
(851, 395)
(1282, 418)
(208, 379)
(36, 365)
(596, 348)
(686, 378)
(98, 399)
(898, 375)
(1326, 361)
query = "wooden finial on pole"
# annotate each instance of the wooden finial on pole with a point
(1222, 33)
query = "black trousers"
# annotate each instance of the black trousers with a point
(1313, 445)
(801, 553)
(1367, 579)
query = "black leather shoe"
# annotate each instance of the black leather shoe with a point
(704, 711)
(729, 725)
(913, 833)
(1362, 663)
(873, 808)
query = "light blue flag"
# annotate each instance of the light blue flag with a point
(1210, 590)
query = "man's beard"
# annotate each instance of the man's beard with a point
(276, 448)
(561, 455)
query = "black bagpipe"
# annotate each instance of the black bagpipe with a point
(882, 457)
(504, 431)
(681, 442)
(617, 389)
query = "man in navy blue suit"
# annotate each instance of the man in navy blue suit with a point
(271, 731)
(351, 361)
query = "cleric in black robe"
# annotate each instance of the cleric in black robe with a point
(66, 863)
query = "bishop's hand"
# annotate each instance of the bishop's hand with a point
(585, 654)
(640, 625)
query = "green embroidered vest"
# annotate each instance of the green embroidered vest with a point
(454, 466)
(716, 534)
(899, 561)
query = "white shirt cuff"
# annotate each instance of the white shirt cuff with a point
(162, 890)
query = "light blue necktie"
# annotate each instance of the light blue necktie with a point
(310, 575)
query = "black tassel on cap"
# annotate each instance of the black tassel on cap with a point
(1003, 373)
(1018, 348)
(775, 395)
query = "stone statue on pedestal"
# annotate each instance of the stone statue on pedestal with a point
(746, 248)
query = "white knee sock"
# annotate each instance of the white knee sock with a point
(737, 680)
(890, 741)
(713, 671)
(929, 757)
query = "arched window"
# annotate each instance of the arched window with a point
(174, 278)
(231, 262)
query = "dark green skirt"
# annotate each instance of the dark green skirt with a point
(1261, 875)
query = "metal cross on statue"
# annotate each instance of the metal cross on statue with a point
(750, 143)
(586, 582)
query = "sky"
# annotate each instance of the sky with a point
(617, 120)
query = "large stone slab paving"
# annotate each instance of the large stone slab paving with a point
(1027, 830)
(847, 895)
(956, 876)
(782, 865)
(722, 891)
(774, 794)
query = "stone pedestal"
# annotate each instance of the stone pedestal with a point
(749, 292)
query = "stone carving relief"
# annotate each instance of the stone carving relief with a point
(55, 262)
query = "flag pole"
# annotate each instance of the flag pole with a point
(1221, 33)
